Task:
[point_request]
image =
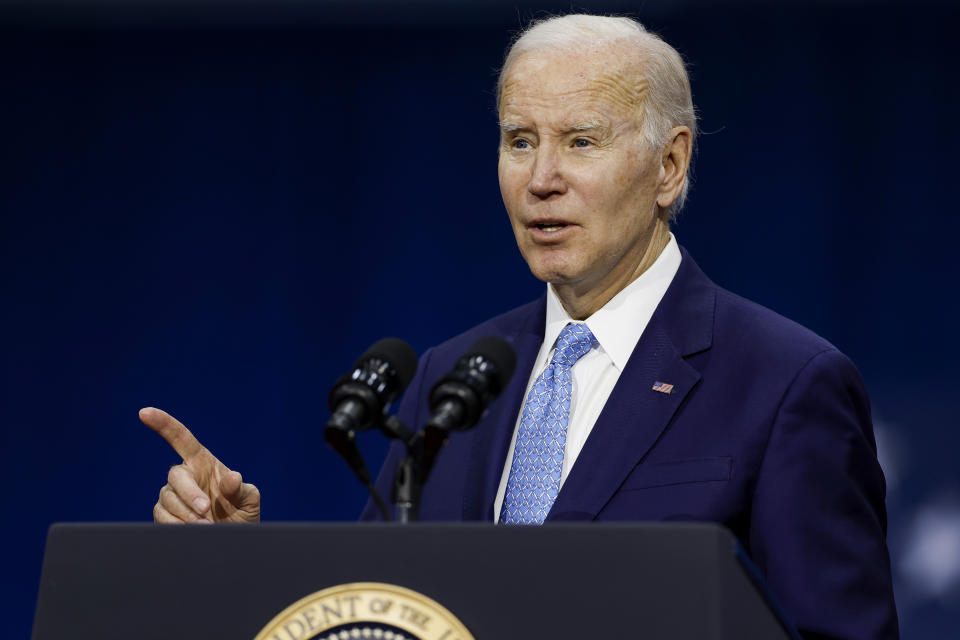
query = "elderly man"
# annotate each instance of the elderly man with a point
(644, 391)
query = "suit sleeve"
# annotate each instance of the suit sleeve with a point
(818, 522)
(409, 413)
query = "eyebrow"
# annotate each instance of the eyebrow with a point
(588, 125)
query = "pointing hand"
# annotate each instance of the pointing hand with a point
(201, 489)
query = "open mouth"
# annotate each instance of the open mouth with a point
(550, 226)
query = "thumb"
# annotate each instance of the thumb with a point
(239, 494)
(230, 484)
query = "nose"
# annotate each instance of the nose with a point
(546, 178)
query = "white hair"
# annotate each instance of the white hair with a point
(668, 103)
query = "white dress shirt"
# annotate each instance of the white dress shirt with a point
(617, 326)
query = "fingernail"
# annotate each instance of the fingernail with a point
(201, 504)
(204, 521)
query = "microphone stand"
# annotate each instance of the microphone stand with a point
(407, 480)
(406, 491)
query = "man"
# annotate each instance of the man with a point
(643, 391)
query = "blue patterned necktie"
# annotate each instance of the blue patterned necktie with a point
(534, 480)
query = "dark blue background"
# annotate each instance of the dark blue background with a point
(214, 210)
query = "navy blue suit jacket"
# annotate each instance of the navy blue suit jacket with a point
(767, 432)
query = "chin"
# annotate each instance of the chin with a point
(552, 275)
(552, 265)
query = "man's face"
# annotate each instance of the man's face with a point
(578, 181)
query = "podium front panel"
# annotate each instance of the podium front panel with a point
(673, 581)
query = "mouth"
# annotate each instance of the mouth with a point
(549, 226)
(550, 231)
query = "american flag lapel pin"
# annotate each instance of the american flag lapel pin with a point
(663, 387)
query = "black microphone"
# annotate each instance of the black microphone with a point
(459, 398)
(360, 398)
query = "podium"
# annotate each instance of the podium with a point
(674, 581)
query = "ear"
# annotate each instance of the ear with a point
(674, 161)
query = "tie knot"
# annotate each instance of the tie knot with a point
(574, 342)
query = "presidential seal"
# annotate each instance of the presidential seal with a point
(365, 610)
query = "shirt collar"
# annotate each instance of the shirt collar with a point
(618, 325)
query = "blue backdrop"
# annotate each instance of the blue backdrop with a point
(214, 210)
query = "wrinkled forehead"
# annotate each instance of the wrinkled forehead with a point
(604, 76)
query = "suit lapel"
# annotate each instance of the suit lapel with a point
(629, 425)
(635, 414)
(491, 438)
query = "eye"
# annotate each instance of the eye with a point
(582, 143)
(521, 144)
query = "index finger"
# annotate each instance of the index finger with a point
(171, 430)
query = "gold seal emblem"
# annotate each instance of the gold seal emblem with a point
(365, 610)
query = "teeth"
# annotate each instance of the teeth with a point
(553, 226)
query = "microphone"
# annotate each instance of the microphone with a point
(360, 398)
(459, 399)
